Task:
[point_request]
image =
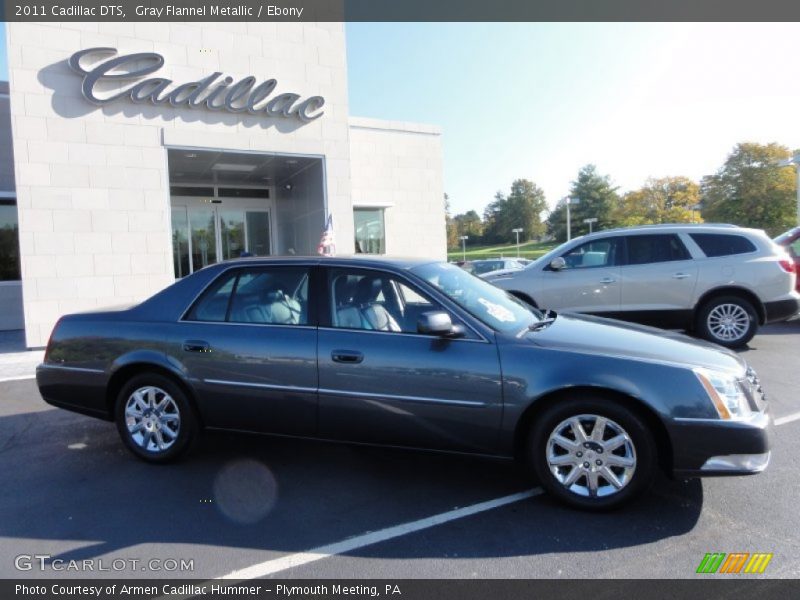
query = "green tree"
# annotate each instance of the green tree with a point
(469, 223)
(450, 224)
(596, 198)
(752, 189)
(522, 208)
(494, 221)
(664, 200)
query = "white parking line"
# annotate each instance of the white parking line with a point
(787, 419)
(17, 378)
(303, 558)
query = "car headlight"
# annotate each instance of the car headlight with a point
(725, 394)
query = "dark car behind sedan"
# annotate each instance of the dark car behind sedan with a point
(410, 353)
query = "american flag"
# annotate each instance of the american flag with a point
(327, 243)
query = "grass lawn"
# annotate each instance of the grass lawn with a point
(528, 250)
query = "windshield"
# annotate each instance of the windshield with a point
(482, 300)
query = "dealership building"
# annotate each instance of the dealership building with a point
(145, 151)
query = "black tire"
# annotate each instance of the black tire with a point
(737, 306)
(577, 494)
(156, 423)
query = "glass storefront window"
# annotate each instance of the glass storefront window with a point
(9, 241)
(370, 231)
(231, 226)
(258, 233)
(180, 242)
(203, 226)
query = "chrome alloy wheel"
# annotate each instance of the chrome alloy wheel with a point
(152, 418)
(728, 322)
(591, 455)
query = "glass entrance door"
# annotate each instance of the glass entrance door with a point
(204, 235)
(244, 231)
(258, 237)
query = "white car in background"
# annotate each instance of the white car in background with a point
(720, 282)
(483, 267)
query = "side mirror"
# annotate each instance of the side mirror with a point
(438, 322)
(558, 263)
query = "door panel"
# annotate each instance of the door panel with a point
(249, 349)
(409, 390)
(658, 274)
(252, 377)
(382, 382)
(590, 281)
(658, 286)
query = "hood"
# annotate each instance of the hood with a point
(596, 335)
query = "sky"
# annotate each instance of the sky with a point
(540, 100)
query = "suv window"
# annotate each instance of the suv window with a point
(597, 253)
(646, 249)
(722, 244)
(268, 295)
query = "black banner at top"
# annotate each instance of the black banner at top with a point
(400, 10)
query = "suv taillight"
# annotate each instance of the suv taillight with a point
(787, 264)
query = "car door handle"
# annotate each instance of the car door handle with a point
(681, 275)
(347, 356)
(607, 280)
(196, 346)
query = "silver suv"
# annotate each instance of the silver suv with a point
(718, 281)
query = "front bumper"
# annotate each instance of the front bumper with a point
(737, 463)
(716, 447)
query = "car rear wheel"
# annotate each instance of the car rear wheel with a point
(592, 454)
(729, 321)
(154, 418)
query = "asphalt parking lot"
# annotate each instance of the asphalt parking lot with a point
(238, 502)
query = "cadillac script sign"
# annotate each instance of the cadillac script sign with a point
(213, 92)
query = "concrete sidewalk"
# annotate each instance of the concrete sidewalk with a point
(15, 361)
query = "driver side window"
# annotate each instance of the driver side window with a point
(597, 253)
(375, 301)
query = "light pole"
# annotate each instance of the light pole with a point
(795, 160)
(696, 207)
(464, 239)
(569, 224)
(590, 221)
(518, 230)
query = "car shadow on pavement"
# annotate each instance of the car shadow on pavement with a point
(72, 491)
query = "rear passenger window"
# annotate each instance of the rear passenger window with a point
(722, 244)
(656, 248)
(269, 296)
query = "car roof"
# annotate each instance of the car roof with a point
(674, 227)
(358, 260)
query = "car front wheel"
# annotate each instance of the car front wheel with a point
(593, 454)
(154, 418)
(729, 321)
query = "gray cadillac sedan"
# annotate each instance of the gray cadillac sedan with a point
(416, 354)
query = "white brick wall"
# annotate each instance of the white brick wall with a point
(93, 197)
(399, 165)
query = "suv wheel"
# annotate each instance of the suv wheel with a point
(593, 454)
(729, 321)
(154, 418)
